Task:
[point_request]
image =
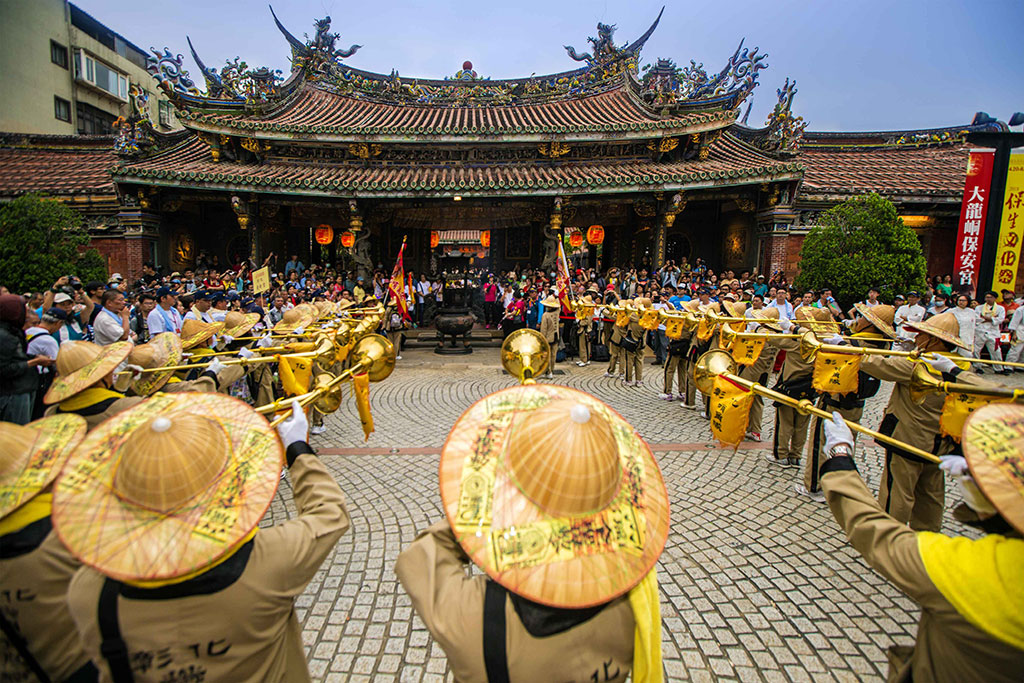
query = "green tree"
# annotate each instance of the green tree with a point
(859, 244)
(41, 240)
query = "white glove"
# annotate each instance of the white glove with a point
(135, 370)
(835, 340)
(939, 363)
(265, 341)
(226, 339)
(299, 330)
(785, 324)
(295, 428)
(956, 465)
(849, 323)
(215, 366)
(837, 433)
(246, 353)
(974, 498)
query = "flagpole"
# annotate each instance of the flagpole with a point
(400, 250)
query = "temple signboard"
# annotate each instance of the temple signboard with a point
(972, 217)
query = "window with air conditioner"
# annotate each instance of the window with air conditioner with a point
(99, 75)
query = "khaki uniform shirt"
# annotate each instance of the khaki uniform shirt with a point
(794, 366)
(451, 604)
(915, 423)
(948, 647)
(245, 630)
(34, 588)
(549, 325)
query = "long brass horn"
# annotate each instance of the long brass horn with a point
(923, 383)
(719, 363)
(373, 354)
(525, 354)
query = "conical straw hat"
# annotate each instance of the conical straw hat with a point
(32, 455)
(993, 441)
(735, 310)
(881, 316)
(294, 318)
(323, 308)
(550, 301)
(944, 326)
(237, 324)
(817, 319)
(195, 332)
(163, 350)
(167, 487)
(765, 315)
(80, 364)
(554, 495)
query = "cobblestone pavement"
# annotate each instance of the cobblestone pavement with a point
(756, 582)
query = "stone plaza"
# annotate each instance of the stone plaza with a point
(757, 583)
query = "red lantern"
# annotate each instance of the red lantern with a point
(435, 239)
(485, 239)
(575, 239)
(348, 238)
(595, 234)
(324, 234)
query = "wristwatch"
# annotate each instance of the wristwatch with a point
(840, 450)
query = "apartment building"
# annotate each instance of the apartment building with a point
(63, 72)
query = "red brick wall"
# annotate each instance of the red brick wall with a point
(124, 256)
(793, 245)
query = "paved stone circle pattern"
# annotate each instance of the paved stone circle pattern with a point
(757, 583)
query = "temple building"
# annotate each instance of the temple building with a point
(485, 172)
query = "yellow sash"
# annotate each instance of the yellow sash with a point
(981, 579)
(34, 510)
(88, 397)
(643, 598)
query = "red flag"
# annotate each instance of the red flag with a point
(564, 287)
(396, 287)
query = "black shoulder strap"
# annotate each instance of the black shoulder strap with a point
(495, 656)
(18, 641)
(112, 646)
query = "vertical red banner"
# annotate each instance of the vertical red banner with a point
(973, 210)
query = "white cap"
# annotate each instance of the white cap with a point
(61, 298)
(116, 276)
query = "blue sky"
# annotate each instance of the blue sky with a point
(859, 64)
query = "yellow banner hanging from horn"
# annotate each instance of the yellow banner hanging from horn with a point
(295, 374)
(361, 390)
(958, 407)
(704, 330)
(730, 411)
(746, 350)
(622, 319)
(673, 328)
(649, 319)
(836, 373)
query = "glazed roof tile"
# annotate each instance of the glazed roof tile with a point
(56, 165)
(731, 162)
(320, 113)
(889, 170)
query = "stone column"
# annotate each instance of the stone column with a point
(666, 220)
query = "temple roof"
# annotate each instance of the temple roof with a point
(314, 114)
(891, 170)
(729, 162)
(58, 165)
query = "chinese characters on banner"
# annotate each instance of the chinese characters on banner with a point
(969, 240)
(1011, 229)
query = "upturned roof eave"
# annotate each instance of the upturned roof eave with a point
(181, 181)
(414, 137)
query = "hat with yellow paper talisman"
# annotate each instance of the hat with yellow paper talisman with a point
(167, 487)
(993, 442)
(554, 495)
(31, 456)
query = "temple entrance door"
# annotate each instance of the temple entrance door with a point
(677, 247)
